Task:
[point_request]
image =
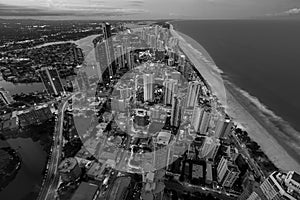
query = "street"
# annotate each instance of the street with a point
(51, 180)
(243, 150)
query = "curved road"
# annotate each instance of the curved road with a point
(50, 183)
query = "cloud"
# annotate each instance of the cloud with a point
(9, 10)
(75, 9)
(136, 3)
(292, 11)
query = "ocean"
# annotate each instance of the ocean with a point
(259, 62)
(260, 56)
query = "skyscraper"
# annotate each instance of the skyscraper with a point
(102, 61)
(196, 117)
(182, 60)
(209, 148)
(156, 29)
(165, 36)
(153, 42)
(148, 87)
(129, 58)
(144, 34)
(171, 54)
(193, 93)
(205, 121)
(227, 172)
(223, 127)
(105, 55)
(51, 81)
(160, 44)
(181, 65)
(5, 96)
(120, 56)
(170, 87)
(174, 44)
(201, 119)
(176, 111)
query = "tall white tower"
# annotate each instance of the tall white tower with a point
(148, 87)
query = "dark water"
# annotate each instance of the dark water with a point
(261, 57)
(21, 87)
(29, 177)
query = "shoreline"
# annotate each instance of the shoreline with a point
(240, 109)
(260, 130)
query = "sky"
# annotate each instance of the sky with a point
(139, 9)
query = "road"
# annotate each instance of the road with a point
(252, 164)
(185, 187)
(51, 180)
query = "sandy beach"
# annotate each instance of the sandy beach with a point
(262, 127)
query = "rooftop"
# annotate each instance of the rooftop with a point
(296, 177)
(67, 164)
(163, 137)
(85, 191)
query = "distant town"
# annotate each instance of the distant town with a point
(138, 121)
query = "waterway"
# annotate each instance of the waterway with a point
(27, 183)
(28, 180)
(17, 88)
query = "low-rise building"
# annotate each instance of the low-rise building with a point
(34, 116)
(282, 186)
(69, 169)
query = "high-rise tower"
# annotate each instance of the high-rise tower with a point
(223, 127)
(105, 55)
(102, 61)
(148, 87)
(5, 97)
(120, 55)
(201, 119)
(176, 111)
(227, 172)
(170, 87)
(193, 93)
(52, 81)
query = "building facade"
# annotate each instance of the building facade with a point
(5, 97)
(148, 87)
(193, 93)
(52, 82)
(227, 172)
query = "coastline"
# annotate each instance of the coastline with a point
(275, 143)
(261, 130)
